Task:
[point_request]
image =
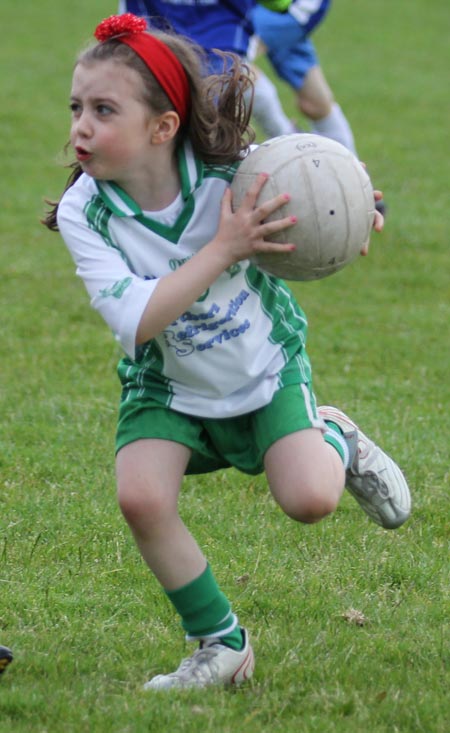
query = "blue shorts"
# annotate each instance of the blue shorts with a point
(289, 48)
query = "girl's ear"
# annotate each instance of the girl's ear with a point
(165, 127)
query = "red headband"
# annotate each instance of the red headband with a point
(162, 62)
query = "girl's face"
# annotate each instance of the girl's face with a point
(112, 126)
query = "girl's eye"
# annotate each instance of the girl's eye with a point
(74, 107)
(103, 110)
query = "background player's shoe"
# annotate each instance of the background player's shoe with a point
(6, 657)
(381, 207)
(372, 478)
(212, 664)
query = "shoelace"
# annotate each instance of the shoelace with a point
(197, 664)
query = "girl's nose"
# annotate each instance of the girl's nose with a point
(83, 124)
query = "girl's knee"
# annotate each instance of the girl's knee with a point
(142, 506)
(310, 505)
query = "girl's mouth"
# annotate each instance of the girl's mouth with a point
(82, 154)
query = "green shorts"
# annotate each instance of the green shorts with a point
(238, 441)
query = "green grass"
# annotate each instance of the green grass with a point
(87, 623)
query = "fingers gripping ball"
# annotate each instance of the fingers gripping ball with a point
(331, 196)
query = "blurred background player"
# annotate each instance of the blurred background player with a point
(279, 28)
(6, 658)
(284, 32)
(218, 24)
(286, 40)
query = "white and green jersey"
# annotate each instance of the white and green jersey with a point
(240, 341)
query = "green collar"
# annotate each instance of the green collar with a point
(191, 172)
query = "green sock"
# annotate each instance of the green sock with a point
(335, 437)
(235, 640)
(334, 426)
(205, 611)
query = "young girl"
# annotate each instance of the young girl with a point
(215, 373)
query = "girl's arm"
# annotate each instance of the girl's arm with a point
(137, 309)
(239, 236)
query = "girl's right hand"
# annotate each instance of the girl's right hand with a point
(241, 233)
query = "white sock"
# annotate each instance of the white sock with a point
(267, 109)
(335, 126)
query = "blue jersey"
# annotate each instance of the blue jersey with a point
(308, 13)
(229, 24)
(210, 23)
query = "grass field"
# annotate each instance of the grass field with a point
(87, 623)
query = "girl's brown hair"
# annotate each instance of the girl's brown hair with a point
(218, 124)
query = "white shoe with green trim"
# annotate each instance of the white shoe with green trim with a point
(212, 664)
(373, 478)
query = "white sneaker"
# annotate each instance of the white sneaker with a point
(373, 478)
(212, 664)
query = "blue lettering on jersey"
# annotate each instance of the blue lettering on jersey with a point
(224, 335)
(181, 340)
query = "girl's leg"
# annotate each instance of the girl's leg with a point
(306, 475)
(149, 476)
